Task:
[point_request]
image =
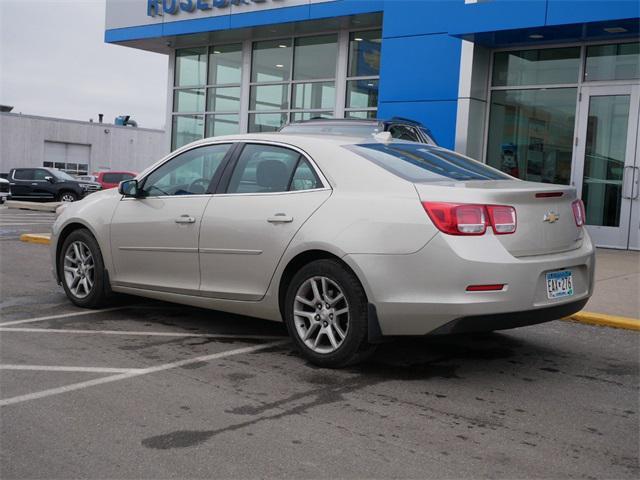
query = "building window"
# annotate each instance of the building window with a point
(363, 73)
(206, 96)
(531, 133)
(612, 62)
(532, 113)
(290, 79)
(536, 67)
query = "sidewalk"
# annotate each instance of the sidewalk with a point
(617, 290)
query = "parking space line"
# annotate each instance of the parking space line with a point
(24, 224)
(55, 368)
(62, 315)
(138, 333)
(137, 373)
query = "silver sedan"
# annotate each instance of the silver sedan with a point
(346, 241)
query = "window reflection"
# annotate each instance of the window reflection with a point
(531, 133)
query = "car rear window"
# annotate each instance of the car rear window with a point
(424, 163)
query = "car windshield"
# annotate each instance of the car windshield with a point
(60, 175)
(421, 163)
(363, 130)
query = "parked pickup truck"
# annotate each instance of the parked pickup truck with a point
(48, 184)
(5, 190)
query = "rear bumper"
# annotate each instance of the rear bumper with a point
(425, 292)
(504, 321)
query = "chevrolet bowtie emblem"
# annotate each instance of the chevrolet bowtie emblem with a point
(551, 217)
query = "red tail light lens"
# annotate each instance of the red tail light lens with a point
(471, 219)
(457, 219)
(578, 212)
(502, 218)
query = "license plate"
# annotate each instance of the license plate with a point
(559, 284)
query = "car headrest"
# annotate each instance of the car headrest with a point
(272, 174)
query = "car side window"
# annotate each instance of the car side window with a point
(41, 174)
(403, 133)
(189, 173)
(23, 174)
(263, 169)
(304, 178)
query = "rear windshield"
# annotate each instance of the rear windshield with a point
(360, 130)
(423, 163)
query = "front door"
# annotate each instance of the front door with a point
(154, 238)
(606, 172)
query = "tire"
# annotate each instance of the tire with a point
(97, 293)
(309, 325)
(67, 196)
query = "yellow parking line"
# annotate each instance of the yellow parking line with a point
(41, 238)
(604, 320)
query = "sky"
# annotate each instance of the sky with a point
(54, 62)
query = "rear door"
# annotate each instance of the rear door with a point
(20, 182)
(270, 193)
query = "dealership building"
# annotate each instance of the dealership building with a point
(545, 90)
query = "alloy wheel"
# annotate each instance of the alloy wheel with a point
(67, 197)
(79, 268)
(321, 314)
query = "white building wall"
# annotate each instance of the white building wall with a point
(22, 139)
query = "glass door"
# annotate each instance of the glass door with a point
(606, 168)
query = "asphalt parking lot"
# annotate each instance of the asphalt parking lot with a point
(148, 389)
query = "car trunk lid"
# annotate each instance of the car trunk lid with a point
(545, 219)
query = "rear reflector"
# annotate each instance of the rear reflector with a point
(471, 219)
(549, 194)
(578, 212)
(485, 288)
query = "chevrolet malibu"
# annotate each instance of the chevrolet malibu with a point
(347, 241)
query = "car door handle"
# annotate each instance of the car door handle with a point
(280, 218)
(185, 219)
(34, 184)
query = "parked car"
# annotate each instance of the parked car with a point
(112, 179)
(87, 178)
(400, 128)
(5, 190)
(48, 184)
(347, 241)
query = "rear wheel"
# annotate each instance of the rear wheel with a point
(82, 270)
(67, 197)
(326, 315)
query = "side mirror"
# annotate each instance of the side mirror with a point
(129, 188)
(50, 179)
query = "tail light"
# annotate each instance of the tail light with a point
(502, 218)
(471, 219)
(578, 212)
(457, 219)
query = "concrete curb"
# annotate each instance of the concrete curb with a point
(38, 207)
(39, 238)
(604, 320)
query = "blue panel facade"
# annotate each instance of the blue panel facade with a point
(420, 65)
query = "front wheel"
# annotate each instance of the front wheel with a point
(82, 270)
(326, 315)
